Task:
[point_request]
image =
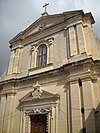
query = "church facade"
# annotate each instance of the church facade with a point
(52, 83)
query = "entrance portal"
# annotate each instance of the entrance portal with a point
(38, 123)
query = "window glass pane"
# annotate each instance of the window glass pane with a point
(44, 60)
(42, 55)
(44, 49)
(39, 61)
(40, 50)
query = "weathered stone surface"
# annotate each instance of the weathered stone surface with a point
(66, 88)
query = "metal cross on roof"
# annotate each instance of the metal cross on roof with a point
(45, 6)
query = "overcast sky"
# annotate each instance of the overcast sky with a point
(16, 15)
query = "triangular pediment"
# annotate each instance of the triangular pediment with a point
(45, 22)
(48, 21)
(38, 93)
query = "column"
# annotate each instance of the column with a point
(72, 41)
(88, 106)
(80, 38)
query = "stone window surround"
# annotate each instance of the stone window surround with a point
(34, 50)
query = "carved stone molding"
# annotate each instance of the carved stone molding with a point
(34, 111)
(27, 124)
(37, 91)
(38, 111)
(42, 26)
(33, 48)
(50, 41)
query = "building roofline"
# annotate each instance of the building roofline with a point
(74, 12)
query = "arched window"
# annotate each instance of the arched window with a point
(42, 55)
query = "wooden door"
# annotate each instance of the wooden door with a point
(38, 123)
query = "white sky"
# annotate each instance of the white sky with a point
(16, 15)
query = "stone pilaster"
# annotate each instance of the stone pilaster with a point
(67, 42)
(2, 111)
(88, 41)
(23, 122)
(80, 38)
(53, 121)
(9, 114)
(49, 122)
(27, 124)
(72, 41)
(89, 106)
(75, 108)
(50, 50)
(11, 61)
(16, 61)
(68, 105)
(33, 56)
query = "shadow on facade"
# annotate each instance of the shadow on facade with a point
(97, 118)
(92, 123)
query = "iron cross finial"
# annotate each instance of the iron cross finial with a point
(45, 6)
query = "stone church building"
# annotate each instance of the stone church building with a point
(52, 82)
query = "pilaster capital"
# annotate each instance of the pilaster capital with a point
(33, 48)
(9, 92)
(50, 41)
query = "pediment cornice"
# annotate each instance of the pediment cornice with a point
(47, 21)
(38, 94)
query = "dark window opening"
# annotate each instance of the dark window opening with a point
(42, 55)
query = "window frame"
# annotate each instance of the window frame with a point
(41, 55)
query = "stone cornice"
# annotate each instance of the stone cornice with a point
(85, 76)
(9, 91)
(65, 68)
